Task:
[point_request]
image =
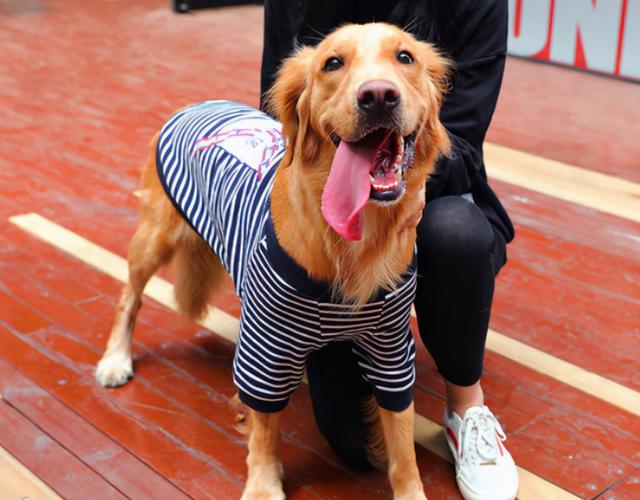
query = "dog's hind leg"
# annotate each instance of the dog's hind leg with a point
(152, 246)
(198, 274)
(148, 251)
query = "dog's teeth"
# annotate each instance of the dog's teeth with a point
(380, 187)
(372, 180)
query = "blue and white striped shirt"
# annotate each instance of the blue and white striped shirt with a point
(216, 161)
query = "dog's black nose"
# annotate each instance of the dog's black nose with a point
(377, 96)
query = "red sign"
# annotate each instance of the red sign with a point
(598, 35)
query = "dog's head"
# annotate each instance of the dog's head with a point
(361, 109)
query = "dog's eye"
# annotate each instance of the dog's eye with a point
(333, 64)
(404, 57)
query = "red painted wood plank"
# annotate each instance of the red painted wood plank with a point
(79, 437)
(628, 489)
(48, 460)
(578, 442)
(22, 317)
(573, 451)
(580, 119)
(576, 296)
(569, 222)
(71, 382)
(512, 379)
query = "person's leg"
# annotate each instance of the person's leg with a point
(335, 381)
(459, 254)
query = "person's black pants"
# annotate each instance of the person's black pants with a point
(460, 251)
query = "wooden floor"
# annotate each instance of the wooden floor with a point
(83, 87)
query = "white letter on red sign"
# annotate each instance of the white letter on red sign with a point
(630, 58)
(534, 27)
(598, 26)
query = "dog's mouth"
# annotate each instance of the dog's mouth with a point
(392, 154)
(390, 162)
(370, 169)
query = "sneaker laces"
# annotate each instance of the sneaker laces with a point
(479, 435)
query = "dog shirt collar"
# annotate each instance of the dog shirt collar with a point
(296, 276)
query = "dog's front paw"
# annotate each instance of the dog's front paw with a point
(114, 370)
(419, 496)
(264, 483)
(262, 493)
(415, 495)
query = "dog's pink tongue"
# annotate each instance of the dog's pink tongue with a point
(348, 188)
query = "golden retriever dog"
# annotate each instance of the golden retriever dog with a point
(343, 182)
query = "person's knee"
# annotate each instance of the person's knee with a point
(454, 230)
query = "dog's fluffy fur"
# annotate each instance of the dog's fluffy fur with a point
(313, 106)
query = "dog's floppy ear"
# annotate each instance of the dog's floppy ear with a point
(289, 101)
(440, 71)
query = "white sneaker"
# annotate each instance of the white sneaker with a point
(484, 467)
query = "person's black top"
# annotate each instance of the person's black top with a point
(473, 33)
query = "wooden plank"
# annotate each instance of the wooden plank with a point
(577, 185)
(567, 222)
(628, 489)
(573, 279)
(48, 460)
(580, 119)
(217, 320)
(195, 455)
(567, 373)
(100, 452)
(17, 482)
(155, 319)
(551, 366)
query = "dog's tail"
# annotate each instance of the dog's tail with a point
(198, 273)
